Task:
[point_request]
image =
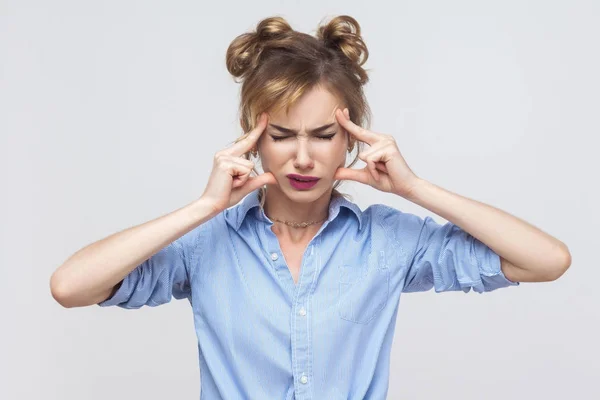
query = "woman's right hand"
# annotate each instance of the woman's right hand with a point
(230, 179)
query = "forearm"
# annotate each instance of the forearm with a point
(515, 240)
(90, 275)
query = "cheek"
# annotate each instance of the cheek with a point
(327, 153)
(273, 155)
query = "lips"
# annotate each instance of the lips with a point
(302, 178)
(299, 185)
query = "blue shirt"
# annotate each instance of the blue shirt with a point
(328, 336)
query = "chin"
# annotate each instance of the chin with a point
(303, 196)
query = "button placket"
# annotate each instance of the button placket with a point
(301, 346)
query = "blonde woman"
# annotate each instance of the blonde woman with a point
(294, 288)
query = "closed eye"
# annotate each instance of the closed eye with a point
(325, 137)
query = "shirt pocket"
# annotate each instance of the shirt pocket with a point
(363, 289)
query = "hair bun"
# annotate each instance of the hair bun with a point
(244, 51)
(272, 28)
(343, 33)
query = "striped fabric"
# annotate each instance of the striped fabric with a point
(328, 336)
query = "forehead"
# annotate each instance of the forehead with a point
(314, 108)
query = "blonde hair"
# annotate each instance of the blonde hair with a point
(277, 65)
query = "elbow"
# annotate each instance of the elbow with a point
(59, 291)
(562, 265)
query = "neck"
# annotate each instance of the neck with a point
(278, 205)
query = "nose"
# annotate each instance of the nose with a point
(303, 159)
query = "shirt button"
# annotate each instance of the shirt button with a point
(274, 256)
(302, 312)
(303, 379)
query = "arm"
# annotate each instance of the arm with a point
(95, 272)
(527, 254)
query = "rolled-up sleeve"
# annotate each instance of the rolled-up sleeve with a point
(160, 278)
(448, 258)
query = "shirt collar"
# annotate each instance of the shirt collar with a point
(236, 214)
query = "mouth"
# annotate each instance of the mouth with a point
(302, 182)
(302, 178)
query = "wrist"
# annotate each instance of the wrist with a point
(413, 188)
(202, 210)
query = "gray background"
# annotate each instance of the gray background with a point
(111, 112)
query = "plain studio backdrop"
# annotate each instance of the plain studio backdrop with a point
(111, 112)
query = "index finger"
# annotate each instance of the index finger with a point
(359, 132)
(245, 143)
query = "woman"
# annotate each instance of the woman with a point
(294, 288)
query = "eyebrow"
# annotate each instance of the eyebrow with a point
(316, 130)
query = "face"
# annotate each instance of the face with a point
(308, 142)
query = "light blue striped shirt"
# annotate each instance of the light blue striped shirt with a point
(328, 336)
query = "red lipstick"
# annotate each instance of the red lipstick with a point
(302, 182)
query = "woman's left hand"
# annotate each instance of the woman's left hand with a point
(386, 169)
